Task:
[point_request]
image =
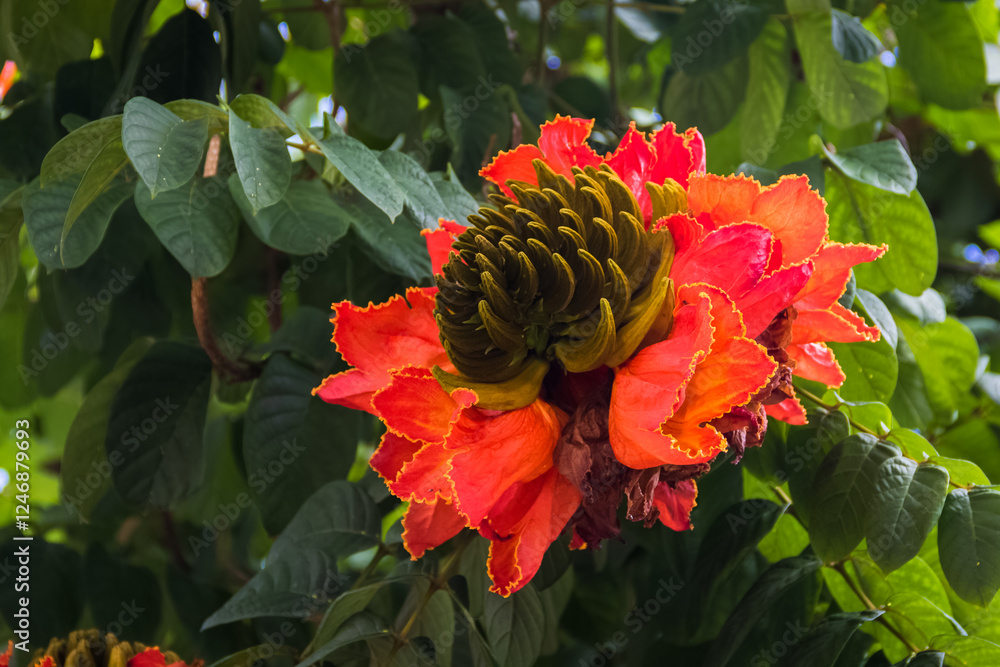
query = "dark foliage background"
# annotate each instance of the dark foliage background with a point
(184, 190)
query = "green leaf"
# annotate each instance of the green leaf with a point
(436, 621)
(45, 213)
(398, 246)
(264, 114)
(967, 651)
(947, 354)
(300, 577)
(923, 659)
(728, 26)
(85, 472)
(11, 217)
(109, 583)
(884, 164)
(941, 50)
(377, 83)
(513, 626)
(163, 148)
(871, 370)
(843, 489)
(348, 604)
(755, 604)
(824, 643)
(293, 442)
(906, 503)
(861, 213)
(459, 204)
(362, 169)
(990, 233)
(41, 38)
(708, 101)
(262, 162)
(918, 619)
(360, 627)
(239, 39)
(961, 472)
(847, 93)
(969, 543)
(914, 445)
(974, 440)
(477, 124)
(767, 91)
(422, 199)
(75, 152)
(909, 401)
(853, 40)
(448, 54)
(303, 222)
(154, 435)
(197, 222)
(101, 176)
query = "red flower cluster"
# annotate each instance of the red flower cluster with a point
(150, 657)
(517, 410)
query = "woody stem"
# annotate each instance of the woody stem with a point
(232, 370)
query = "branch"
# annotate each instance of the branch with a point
(233, 371)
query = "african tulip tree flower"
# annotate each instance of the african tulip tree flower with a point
(608, 329)
(90, 647)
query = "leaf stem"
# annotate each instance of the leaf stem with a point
(233, 371)
(438, 583)
(839, 567)
(833, 408)
(381, 552)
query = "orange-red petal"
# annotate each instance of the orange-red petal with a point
(494, 451)
(650, 387)
(789, 411)
(151, 657)
(513, 165)
(832, 270)
(439, 242)
(732, 258)
(430, 524)
(677, 155)
(717, 201)
(815, 361)
(795, 214)
(564, 143)
(837, 324)
(632, 161)
(377, 340)
(523, 523)
(675, 503)
(771, 296)
(414, 405)
(735, 369)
